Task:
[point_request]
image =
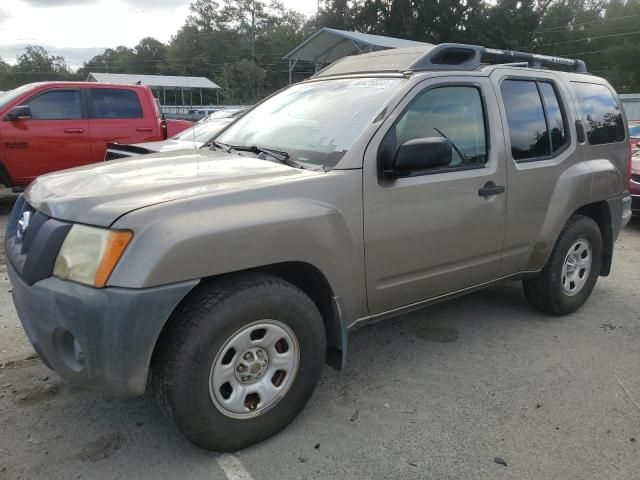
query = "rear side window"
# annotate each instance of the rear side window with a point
(56, 105)
(535, 119)
(600, 113)
(115, 103)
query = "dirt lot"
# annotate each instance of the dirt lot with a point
(438, 394)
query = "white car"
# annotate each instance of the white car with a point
(192, 138)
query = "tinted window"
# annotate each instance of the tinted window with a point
(554, 116)
(115, 103)
(452, 112)
(56, 105)
(600, 113)
(525, 118)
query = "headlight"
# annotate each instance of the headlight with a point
(88, 255)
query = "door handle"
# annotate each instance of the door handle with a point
(490, 189)
(144, 129)
(74, 130)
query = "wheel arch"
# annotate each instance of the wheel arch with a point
(600, 212)
(315, 285)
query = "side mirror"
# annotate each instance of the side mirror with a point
(21, 112)
(421, 154)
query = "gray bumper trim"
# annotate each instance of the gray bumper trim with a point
(99, 338)
(627, 201)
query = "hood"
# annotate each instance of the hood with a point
(98, 194)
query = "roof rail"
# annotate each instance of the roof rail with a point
(459, 56)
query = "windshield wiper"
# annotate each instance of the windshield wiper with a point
(462, 155)
(221, 146)
(279, 155)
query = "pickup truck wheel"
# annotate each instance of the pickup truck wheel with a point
(239, 360)
(571, 272)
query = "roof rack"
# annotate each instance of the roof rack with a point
(446, 56)
(459, 56)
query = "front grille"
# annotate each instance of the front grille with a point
(33, 253)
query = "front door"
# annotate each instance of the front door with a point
(54, 138)
(441, 230)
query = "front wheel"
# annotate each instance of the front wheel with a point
(572, 270)
(239, 360)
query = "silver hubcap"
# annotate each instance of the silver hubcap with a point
(576, 267)
(254, 369)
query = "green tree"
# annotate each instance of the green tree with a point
(205, 15)
(151, 56)
(39, 63)
(33, 65)
(113, 60)
(250, 18)
(242, 82)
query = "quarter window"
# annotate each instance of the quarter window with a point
(455, 113)
(56, 105)
(535, 119)
(555, 122)
(600, 112)
(115, 103)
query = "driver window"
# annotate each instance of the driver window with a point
(455, 113)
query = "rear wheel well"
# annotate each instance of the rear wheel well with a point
(601, 214)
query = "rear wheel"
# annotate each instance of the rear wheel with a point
(239, 360)
(572, 270)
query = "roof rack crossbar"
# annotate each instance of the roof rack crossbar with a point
(459, 56)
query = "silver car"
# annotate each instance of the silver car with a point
(385, 183)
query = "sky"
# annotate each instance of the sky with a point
(80, 29)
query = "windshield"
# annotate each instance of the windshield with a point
(313, 122)
(634, 130)
(11, 95)
(202, 132)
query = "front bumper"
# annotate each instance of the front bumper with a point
(98, 338)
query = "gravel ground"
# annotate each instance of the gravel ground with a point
(437, 394)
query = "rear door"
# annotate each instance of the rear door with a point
(438, 231)
(121, 115)
(54, 138)
(542, 148)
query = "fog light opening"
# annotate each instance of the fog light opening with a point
(70, 350)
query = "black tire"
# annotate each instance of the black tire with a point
(545, 291)
(199, 328)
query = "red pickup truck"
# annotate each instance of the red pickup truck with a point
(51, 126)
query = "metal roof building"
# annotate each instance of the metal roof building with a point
(155, 81)
(631, 104)
(160, 83)
(328, 45)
